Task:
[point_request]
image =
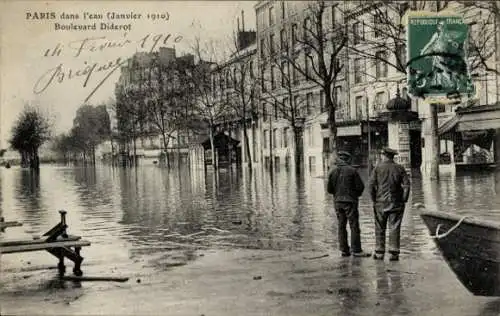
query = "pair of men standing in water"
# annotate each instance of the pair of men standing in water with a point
(389, 187)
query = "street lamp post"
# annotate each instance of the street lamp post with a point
(369, 134)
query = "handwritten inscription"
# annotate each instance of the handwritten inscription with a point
(59, 74)
(90, 70)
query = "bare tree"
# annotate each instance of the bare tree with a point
(241, 86)
(129, 107)
(163, 94)
(315, 53)
(278, 81)
(209, 107)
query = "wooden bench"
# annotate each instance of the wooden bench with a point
(57, 242)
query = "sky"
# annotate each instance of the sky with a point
(59, 70)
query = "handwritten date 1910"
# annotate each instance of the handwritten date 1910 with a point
(160, 39)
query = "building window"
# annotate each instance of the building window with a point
(380, 64)
(294, 35)
(322, 101)
(271, 16)
(337, 93)
(251, 70)
(262, 77)
(326, 145)
(283, 9)
(307, 64)
(285, 137)
(310, 133)
(275, 109)
(271, 43)
(295, 76)
(401, 55)
(357, 29)
(358, 101)
(275, 138)
(273, 77)
(235, 77)
(312, 163)
(334, 16)
(358, 70)
(309, 97)
(404, 93)
(307, 29)
(377, 24)
(296, 103)
(264, 111)
(283, 74)
(262, 47)
(283, 39)
(380, 101)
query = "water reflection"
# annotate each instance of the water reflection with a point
(390, 290)
(149, 207)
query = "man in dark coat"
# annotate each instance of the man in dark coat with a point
(346, 186)
(389, 190)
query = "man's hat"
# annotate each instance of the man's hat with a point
(344, 155)
(389, 152)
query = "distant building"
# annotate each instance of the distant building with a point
(133, 125)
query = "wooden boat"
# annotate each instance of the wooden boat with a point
(470, 246)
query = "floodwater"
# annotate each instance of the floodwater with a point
(147, 220)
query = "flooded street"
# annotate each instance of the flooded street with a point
(193, 244)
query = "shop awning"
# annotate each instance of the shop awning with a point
(449, 125)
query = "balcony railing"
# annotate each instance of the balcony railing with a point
(377, 108)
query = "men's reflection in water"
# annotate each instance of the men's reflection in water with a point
(351, 288)
(390, 291)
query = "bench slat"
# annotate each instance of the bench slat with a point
(20, 242)
(43, 246)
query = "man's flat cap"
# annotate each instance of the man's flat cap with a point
(344, 155)
(389, 151)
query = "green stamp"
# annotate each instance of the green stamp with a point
(437, 55)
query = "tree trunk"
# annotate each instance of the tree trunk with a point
(434, 172)
(271, 164)
(165, 145)
(247, 144)
(135, 150)
(178, 152)
(24, 159)
(332, 125)
(298, 133)
(34, 160)
(212, 146)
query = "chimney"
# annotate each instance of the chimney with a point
(242, 21)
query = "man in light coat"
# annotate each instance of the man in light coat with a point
(389, 187)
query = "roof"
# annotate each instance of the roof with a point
(221, 140)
